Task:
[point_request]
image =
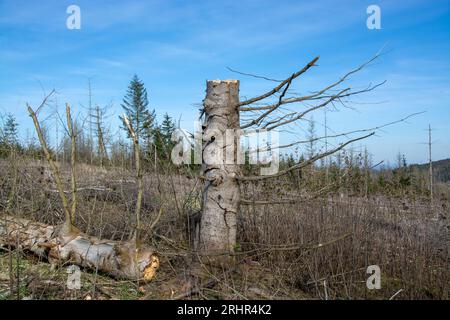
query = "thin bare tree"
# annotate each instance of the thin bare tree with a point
(139, 177)
(430, 167)
(98, 118)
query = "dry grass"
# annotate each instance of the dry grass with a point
(278, 251)
(410, 247)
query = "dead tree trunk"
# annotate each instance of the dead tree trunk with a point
(430, 167)
(60, 246)
(221, 196)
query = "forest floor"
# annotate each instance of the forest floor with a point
(39, 280)
(318, 249)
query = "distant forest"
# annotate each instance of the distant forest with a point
(441, 169)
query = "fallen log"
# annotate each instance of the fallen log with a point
(68, 245)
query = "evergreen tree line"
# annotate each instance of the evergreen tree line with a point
(155, 139)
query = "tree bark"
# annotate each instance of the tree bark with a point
(60, 246)
(221, 196)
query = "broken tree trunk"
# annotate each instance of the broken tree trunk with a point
(217, 234)
(61, 246)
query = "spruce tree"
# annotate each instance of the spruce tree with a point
(167, 128)
(9, 136)
(135, 105)
(159, 142)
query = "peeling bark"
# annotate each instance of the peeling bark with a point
(62, 245)
(221, 194)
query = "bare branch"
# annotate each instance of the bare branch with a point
(312, 97)
(45, 100)
(304, 163)
(302, 114)
(279, 119)
(155, 222)
(253, 75)
(139, 179)
(344, 134)
(265, 114)
(318, 95)
(281, 85)
(73, 154)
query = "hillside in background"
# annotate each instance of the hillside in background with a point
(441, 169)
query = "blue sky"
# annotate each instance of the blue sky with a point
(175, 46)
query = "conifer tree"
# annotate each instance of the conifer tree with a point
(135, 106)
(167, 128)
(10, 131)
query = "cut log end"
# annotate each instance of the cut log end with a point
(150, 271)
(224, 81)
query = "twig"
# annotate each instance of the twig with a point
(253, 75)
(395, 294)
